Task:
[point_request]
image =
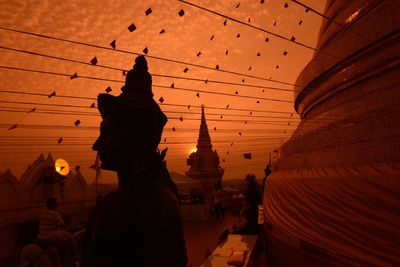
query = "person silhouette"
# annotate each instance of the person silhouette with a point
(140, 224)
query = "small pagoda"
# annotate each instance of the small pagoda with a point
(204, 163)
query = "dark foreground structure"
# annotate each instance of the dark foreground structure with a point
(334, 194)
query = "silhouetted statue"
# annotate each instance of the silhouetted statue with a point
(139, 225)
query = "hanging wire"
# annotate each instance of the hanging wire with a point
(159, 86)
(149, 56)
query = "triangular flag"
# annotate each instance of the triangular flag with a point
(225, 22)
(249, 20)
(267, 40)
(240, 133)
(223, 160)
(12, 127)
(236, 93)
(32, 110)
(206, 81)
(221, 117)
(185, 70)
(60, 140)
(251, 112)
(291, 114)
(181, 13)
(148, 11)
(198, 54)
(307, 10)
(242, 80)
(250, 68)
(74, 76)
(173, 129)
(181, 119)
(245, 122)
(286, 5)
(215, 128)
(231, 144)
(227, 152)
(258, 102)
(108, 89)
(172, 85)
(300, 22)
(198, 95)
(132, 27)
(161, 99)
(165, 139)
(226, 52)
(227, 106)
(113, 44)
(238, 5)
(263, 90)
(285, 53)
(258, 54)
(94, 61)
(212, 37)
(188, 106)
(288, 123)
(217, 67)
(146, 50)
(247, 155)
(77, 122)
(62, 168)
(162, 31)
(277, 67)
(92, 105)
(292, 39)
(52, 94)
(238, 35)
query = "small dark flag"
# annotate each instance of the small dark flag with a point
(249, 20)
(212, 37)
(251, 112)
(215, 128)
(60, 140)
(236, 93)
(198, 95)
(231, 144)
(62, 168)
(277, 67)
(247, 155)
(242, 80)
(185, 70)
(172, 85)
(307, 10)
(262, 1)
(173, 129)
(226, 52)
(32, 110)
(250, 68)
(217, 67)
(245, 122)
(285, 53)
(132, 27)
(161, 99)
(52, 94)
(181, 13)
(92, 105)
(263, 90)
(148, 11)
(108, 89)
(77, 122)
(227, 106)
(300, 22)
(258, 102)
(146, 50)
(74, 76)
(113, 45)
(291, 114)
(225, 22)
(221, 117)
(286, 5)
(198, 54)
(288, 123)
(165, 139)
(206, 81)
(267, 40)
(94, 61)
(258, 54)
(162, 31)
(188, 106)
(12, 127)
(292, 39)
(223, 160)
(238, 35)
(227, 152)
(275, 23)
(181, 119)
(238, 5)
(240, 133)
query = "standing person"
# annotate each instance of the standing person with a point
(50, 220)
(140, 224)
(217, 201)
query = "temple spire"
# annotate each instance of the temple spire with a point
(204, 141)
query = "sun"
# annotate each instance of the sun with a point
(62, 167)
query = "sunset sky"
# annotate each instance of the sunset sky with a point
(99, 23)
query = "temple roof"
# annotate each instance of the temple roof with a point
(204, 141)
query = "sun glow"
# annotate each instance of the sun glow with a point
(62, 167)
(193, 150)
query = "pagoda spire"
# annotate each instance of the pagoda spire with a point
(204, 141)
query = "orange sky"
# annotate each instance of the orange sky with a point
(100, 22)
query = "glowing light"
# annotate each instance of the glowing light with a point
(62, 167)
(349, 19)
(193, 150)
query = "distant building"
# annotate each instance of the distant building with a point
(204, 163)
(21, 203)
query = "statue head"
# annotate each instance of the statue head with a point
(131, 129)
